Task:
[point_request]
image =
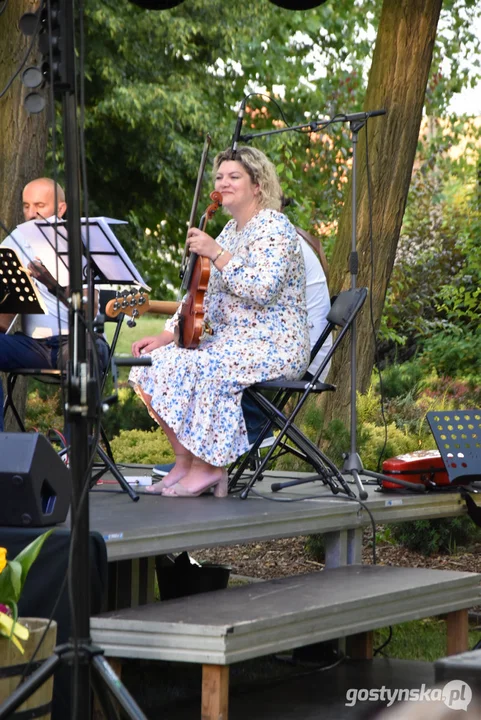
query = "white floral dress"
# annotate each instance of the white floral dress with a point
(256, 307)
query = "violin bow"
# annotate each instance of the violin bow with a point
(195, 202)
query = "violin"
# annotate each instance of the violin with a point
(191, 326)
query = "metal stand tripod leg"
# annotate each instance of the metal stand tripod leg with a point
(90, 655)
(328, 473)
(112, 467)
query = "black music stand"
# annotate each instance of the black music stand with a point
(48, 239)
(458, 437)
(18, 293)
(108, 259)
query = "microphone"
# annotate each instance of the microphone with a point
(238, 127)
(359, 116)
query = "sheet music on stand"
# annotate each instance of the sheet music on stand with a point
(110, 262)
(18, 294)
(33, 243)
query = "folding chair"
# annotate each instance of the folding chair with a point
(344, 309)
(56, 377)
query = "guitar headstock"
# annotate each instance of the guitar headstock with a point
(132, 304)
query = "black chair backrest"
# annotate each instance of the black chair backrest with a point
(345, 304)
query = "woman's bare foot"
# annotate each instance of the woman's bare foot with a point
(181, 468)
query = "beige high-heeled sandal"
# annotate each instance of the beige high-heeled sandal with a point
(219, 486)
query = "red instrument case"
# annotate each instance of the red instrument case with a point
(424, 467)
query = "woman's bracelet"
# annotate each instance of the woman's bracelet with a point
(219, 254)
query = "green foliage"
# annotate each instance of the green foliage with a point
(157, 82)
(384, 534)
(315, 548)
(368, 406)
(336, 441)
(445, 393)
(14, 574)
(373, 441)
(455, 352)
(146, 447)
(129, 413)
(432, 305)
(43, 410)
(377, 444)
(430, 537)
(400, 380)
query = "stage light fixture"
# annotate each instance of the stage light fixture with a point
(35, 103)
(28, 22)
(32, 77)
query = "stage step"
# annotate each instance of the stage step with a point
(226, 626)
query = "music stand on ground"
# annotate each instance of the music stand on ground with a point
(458, 437)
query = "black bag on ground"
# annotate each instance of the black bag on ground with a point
(178, 577)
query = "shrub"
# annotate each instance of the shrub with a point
(453, 353)
(457, 393)
(315, 548)
(128, 413)
(336, 441)
(401, 380)
(368, 405)
(430, 537)
(145, 447)
(44, 411)
(372, 439)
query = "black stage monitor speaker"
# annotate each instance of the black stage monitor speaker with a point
(35, 484)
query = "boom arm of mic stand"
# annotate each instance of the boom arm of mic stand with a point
(317, 125)
(313, 126)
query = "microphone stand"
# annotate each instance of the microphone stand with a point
(352, 462)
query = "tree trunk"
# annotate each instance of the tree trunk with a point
(397, 83)
(23, 137)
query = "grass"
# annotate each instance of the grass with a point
(419, 640)
(146, 325)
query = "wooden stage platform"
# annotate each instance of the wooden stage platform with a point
(136, 532)
(157, 525)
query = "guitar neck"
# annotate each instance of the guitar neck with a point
(163, 307)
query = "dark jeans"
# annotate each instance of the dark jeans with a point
(254, 418)
(20, 351)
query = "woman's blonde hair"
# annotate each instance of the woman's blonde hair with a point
(261, 171)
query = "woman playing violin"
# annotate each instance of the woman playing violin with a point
(255, 306)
